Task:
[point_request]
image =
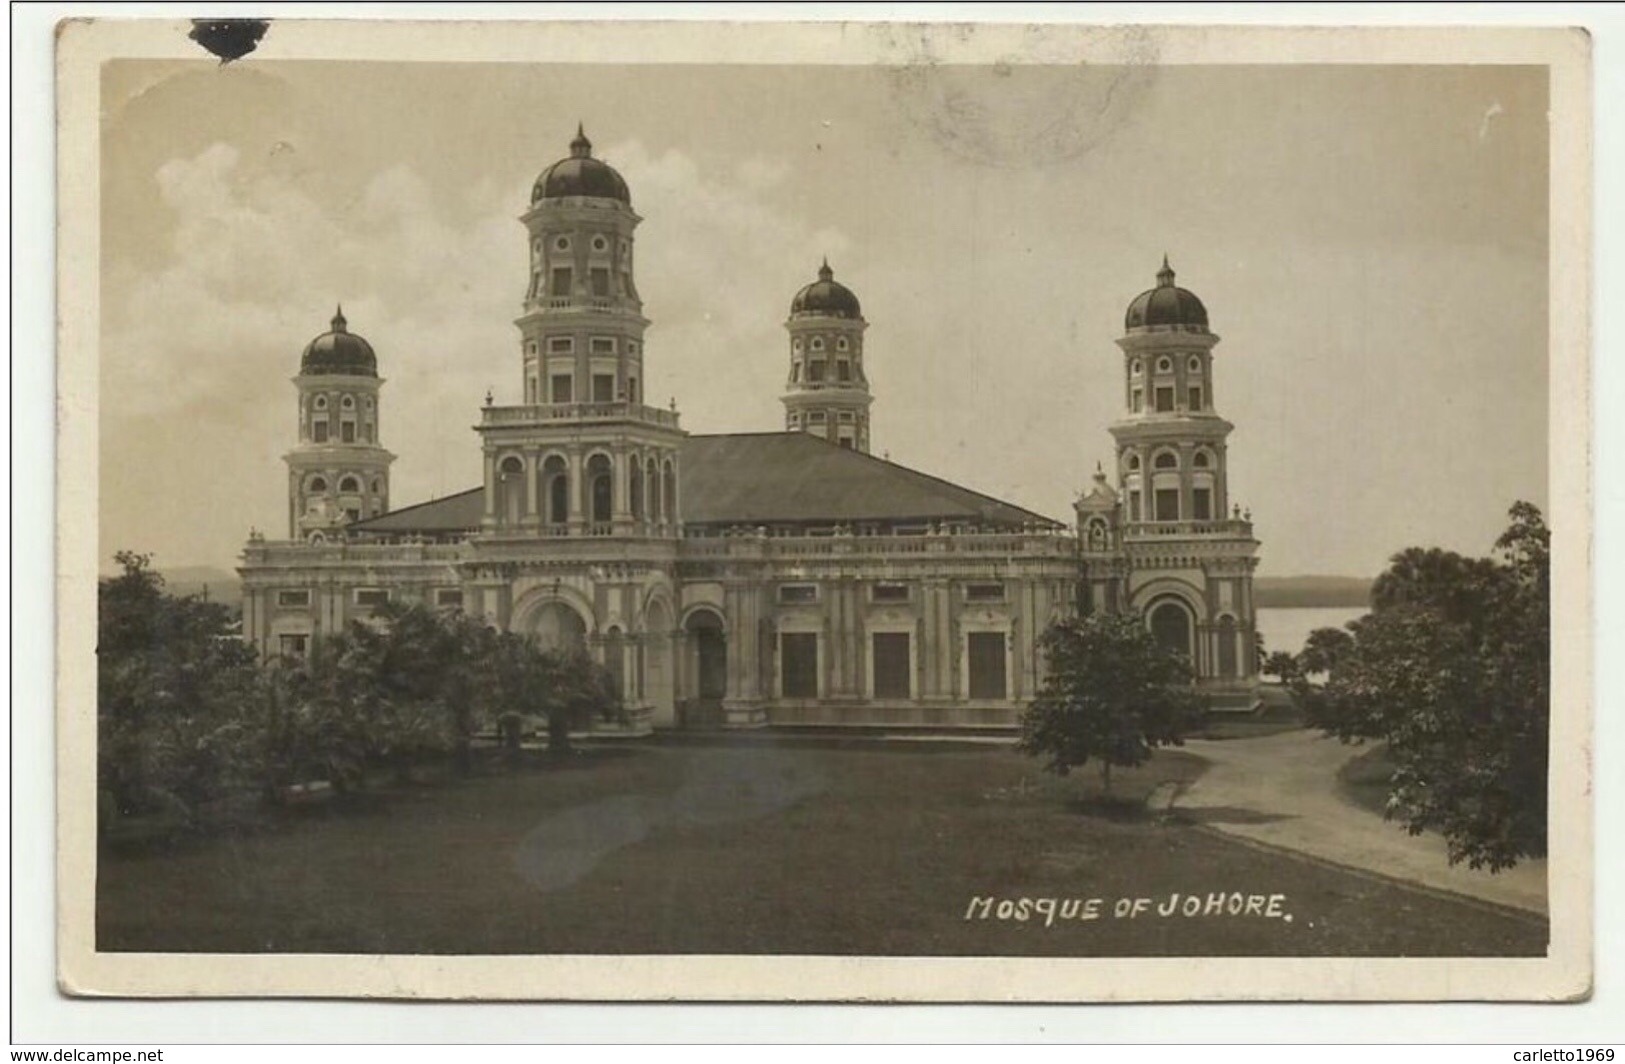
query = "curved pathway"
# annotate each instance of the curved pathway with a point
(1282, 790)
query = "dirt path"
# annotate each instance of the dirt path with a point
(1282, 790)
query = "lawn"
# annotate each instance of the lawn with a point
(765, 847)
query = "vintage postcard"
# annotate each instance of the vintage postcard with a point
(829, 511)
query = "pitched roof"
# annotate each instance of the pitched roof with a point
(453, 513)
(768, 478)
(776, 477)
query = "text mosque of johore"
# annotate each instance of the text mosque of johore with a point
(756, 579)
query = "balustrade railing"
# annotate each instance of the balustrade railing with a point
(542, 413)
(293, 552)
(751, 543)
(1176, 529)
(572, 303)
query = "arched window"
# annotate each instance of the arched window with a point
(668, 491)
(840, 344)
(1171, 626)
(1133, 463)
(318, 484)
(1166, 460)
(1097, 535)
(1137, 367)
(510, 489)
(377, 486)
(818, 343)
(556, 477)
(601, 488)
(1227, 647)
(1201, 461)
(349, 485)
(1195, 364)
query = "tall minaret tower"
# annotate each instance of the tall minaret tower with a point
(339, 472)
(827, 393)
(584, 454)
(1187, 552)
(1171, 446)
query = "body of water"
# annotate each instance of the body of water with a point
(1286, 629)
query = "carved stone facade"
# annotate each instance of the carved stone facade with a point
(785, 579)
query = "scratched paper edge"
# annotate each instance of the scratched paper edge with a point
(1565, 974)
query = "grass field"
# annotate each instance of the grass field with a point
(764, 847)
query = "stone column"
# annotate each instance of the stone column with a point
(490, 517)
(1187, 507)
(620, 506)
(531, 466)
(581, 495)
(742, 704)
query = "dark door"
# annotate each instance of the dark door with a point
(987, 678)
(713, 665)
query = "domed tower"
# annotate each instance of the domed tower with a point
(1171, 447)
(339, 472)
(584, 454)
(582, 329)
(828, 392)
(1187, 553)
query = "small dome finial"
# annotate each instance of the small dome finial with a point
(581, 147)
(338, 318)
(824, 272)
(1165, 276)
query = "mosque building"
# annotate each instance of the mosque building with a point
(756, 579)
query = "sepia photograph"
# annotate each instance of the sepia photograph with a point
(823, 512)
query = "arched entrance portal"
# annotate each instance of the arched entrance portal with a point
(1172, 628)
(707, 669)
(657, 672)
(555, 626)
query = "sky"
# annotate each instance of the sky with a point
(1370, 242)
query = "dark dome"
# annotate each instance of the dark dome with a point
(339, 352)
(579, 174)
(826, 296)
(1166, 304)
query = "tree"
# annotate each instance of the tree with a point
(174, 698)
(568, 687)
(1441, 580)
(1452, 670)
(407, 685)
(1112, 693)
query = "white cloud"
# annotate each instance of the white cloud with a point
(197, 353)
